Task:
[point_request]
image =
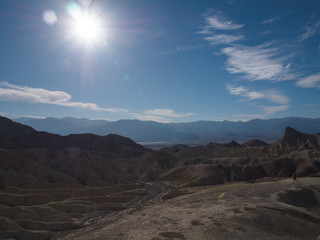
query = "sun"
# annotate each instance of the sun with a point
(86, 24)
(88, 29)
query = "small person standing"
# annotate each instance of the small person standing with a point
(294, 177)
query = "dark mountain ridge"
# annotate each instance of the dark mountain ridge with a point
(14, 135)
(295, 139)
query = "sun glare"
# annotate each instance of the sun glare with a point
(85, 26)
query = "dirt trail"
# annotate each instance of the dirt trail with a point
(156, 190)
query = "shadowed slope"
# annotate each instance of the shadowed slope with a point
(14, 135)
(295, 140)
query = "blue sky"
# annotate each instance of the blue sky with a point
(166, 61)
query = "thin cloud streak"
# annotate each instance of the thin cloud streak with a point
(312, 81)
(29, 116)
(162, 115)
(219, 22)
(243, 92)
(153, 118)
(270, 95)
(273, 109)
(166, 113)
(267, 111)
(270, 20)
(310, 31)
(247, 117)
(11, 93)
(223, 39)
(257, 63)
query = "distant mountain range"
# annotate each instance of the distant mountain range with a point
(199, 132)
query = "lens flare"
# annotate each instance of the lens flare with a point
(50, 17)
(74, 10)
(85, 3)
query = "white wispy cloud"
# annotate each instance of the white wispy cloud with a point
(266, 112)
(164, 112)
(247, 117)
(163, 115)
(153, 118)
(312, 81)
(10, 92)
(310, 30)
(275, 97)
(28, 116)
(216, 22)
(223, 39)
(270, 95)
(220, 22)
(243, 92)
(273, 109)
(269, 20)
(257, 63)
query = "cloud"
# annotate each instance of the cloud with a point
(269, 20)
(257, 63)
(153, 118)
(11, 93)
(247, 117)
(313, 105)
(219, 22)
(262, 62)
(312, 81)
(167, 113)
(310, 31)
(275, 97)
(162, 115)
(270, 95)
(243, 92)
(273, 109)
(267, 111)
(29, 116)
(223, 39)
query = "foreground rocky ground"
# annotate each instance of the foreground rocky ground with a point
(265, 210)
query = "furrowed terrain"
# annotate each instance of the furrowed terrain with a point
(108, 187)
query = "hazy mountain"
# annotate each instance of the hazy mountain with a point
(63, 126)
(199, 132)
